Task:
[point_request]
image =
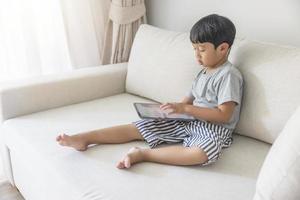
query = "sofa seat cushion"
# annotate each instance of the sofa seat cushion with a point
(60, 172)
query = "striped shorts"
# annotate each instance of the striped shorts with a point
(211, 138)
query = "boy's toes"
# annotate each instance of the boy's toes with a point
(61, 139)
(121, 165)
(58, 138)
(127, 162)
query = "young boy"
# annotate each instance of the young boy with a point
(214, 100)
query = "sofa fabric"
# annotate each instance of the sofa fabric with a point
(279, 177)
(62, 173)
(50, 91)
(162, 67)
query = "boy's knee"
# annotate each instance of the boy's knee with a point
(199, 154)
(135, 133)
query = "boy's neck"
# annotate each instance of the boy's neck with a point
(218, 64)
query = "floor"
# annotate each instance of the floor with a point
(7, 192)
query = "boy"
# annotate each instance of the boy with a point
(214, 100)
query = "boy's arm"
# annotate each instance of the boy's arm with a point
(220, 114)
(187, 100)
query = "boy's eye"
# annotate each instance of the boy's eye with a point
(198, 49)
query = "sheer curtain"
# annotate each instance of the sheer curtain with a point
(50, 36)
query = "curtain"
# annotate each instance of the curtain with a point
(50, 36)
(125, 17)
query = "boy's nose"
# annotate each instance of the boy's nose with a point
(198, 56)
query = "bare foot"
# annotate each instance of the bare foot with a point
(72, 141)
(134, 155)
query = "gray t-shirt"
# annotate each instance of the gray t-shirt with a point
(223, 84)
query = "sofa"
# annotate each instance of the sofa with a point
(161, 68)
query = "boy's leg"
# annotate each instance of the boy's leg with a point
(111, 135)
(173, 155)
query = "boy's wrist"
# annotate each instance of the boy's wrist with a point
(186, 108)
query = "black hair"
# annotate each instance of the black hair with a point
(213, 28)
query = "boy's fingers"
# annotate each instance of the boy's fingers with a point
(164, 105)
(161, 106)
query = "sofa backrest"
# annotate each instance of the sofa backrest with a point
(162, 67)
(162, 64)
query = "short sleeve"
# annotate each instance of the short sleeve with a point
(230, 88)
(189, 94)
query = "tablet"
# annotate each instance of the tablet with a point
(153, 111)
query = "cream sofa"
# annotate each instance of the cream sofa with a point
(161, 68)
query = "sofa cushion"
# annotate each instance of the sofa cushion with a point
(162, 67)
(57, 172)
(279, 177)
(271, 95)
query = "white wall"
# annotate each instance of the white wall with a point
(276, 21)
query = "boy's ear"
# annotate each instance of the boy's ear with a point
(223, 47)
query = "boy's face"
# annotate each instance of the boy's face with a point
(208, 56)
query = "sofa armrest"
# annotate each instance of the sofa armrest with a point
(51, 91)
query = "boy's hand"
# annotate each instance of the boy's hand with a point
(173, 107)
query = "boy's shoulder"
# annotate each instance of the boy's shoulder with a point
(229, 70)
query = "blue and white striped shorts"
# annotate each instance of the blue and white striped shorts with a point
(211, 138)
